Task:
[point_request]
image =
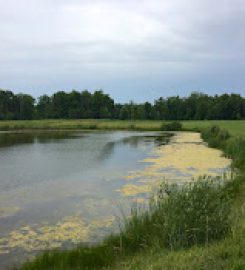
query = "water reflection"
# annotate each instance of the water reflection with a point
(10, 139)
(136, 141)
(158, 139)
(17, 138)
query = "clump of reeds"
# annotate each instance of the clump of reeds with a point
(181, 216)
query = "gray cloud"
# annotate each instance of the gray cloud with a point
(130, 48)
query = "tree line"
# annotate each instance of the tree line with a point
(98, 105)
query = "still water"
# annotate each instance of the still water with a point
(58, 189)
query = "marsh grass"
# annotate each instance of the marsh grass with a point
(191, 214)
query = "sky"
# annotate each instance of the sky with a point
(133, 50)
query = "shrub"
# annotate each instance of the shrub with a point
(173, 126)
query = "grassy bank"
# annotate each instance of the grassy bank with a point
(235, 127)
(200, 226)
(226, 253)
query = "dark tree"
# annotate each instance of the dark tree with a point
(78, 105)
(25, 106)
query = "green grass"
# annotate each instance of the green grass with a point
(81, 124)
(224, 255)
(235, 127)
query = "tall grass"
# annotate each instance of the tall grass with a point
(215, 136)
(195, 213)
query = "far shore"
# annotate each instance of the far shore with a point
(235, 127)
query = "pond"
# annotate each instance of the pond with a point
(61, 188)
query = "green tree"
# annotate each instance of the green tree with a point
(44, 107)
(26, 106)
(102, 104)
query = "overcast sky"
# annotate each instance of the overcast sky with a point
(134, 50)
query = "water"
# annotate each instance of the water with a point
(60, 188)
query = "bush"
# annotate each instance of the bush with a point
(173, 126)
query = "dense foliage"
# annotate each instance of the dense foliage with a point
(13, 106)
(98, 105)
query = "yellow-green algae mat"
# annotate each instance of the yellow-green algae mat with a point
(70, 229)
(185, 158)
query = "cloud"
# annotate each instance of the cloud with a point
(62, 43)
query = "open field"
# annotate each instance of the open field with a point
(235, 127)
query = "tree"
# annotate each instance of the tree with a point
(86, 104)
(60, 105)
(83, 104)
(161, 108)
(26, 106)
(102, 104)
(44, 107)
